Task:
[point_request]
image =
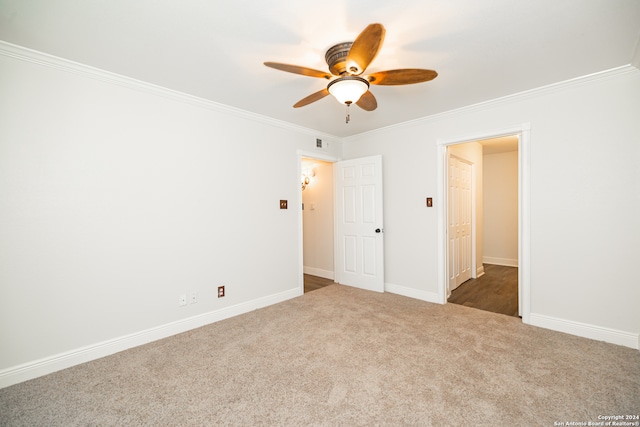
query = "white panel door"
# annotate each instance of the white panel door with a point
(459, 222)
(359, 241)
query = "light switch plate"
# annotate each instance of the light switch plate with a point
(283, 204)
(429, 202)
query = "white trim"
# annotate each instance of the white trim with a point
(496, 133)
(37, 368)
(524, 222)
(317, 155)
(40, 58)
(474, 223)
(326, 274)
(524, 215)
(412, 293)
(441, 191)
(584, 330)
(500, 261)
(635, 59)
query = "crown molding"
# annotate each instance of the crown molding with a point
(519, 96)
(44, 59)
(51, 61)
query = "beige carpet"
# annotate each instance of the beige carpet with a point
(342, 357)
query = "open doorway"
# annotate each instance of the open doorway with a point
(317, 223)
(348, 249)
(494, 200)
(523, 134)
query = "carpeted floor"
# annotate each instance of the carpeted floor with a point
(340, 356)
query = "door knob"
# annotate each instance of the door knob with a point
(378, 230)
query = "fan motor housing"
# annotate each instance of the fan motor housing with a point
(336, 58)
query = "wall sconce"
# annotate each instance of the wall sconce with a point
(306, 178)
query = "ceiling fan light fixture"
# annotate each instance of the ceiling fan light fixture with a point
(347, 61)
(348, 89)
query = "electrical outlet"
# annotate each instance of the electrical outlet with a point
(182, 299)
(193, 298)
(220, 291)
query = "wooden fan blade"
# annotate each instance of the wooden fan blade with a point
(311, 98)
(402, 77)
(365, 48)
(367, 101)
(296, 69)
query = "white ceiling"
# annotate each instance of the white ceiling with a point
(215, 49)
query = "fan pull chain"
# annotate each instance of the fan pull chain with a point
(348, 116)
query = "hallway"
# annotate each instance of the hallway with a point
(311, 283)
(496, 291)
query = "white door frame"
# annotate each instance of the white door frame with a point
(523, 132)
(310, 155)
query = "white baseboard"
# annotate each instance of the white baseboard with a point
(500, 261)
(584, 330)
(27, 371)
(319, 272)
(479, 272)
(413, 293)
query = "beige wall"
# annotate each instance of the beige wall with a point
(117, 200)
(580, 199)
(501, 208)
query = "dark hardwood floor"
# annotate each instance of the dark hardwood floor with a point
(495, 291)
(311, 283)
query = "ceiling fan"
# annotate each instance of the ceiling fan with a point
(347, 62)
